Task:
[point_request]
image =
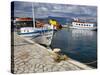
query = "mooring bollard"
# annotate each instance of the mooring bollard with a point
(57, 50)
(57, 56)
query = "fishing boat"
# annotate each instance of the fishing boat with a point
(41, 35)
(83, 25)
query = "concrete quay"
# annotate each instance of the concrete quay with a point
(30, 57)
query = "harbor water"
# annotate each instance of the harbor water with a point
(80, 45)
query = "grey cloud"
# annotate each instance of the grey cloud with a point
(46, 9)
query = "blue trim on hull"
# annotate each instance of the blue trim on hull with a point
(39, 31)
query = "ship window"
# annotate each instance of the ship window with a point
(82, 24)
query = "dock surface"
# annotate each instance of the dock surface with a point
(30, 57)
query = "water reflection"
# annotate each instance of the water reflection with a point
(80, 45)
(81, 33)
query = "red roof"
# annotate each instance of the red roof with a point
(23, 19)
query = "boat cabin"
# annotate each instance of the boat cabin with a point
(82, 24)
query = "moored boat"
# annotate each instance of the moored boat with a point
(83, 25)
(40, 33)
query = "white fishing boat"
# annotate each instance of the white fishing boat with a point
(83, 25)
(41, 35)
(45, 38)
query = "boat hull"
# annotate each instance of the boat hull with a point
(84, 28)
(34, 33)
(43, 37)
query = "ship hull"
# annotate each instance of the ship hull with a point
(84, 28)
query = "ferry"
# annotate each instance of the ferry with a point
(83, 25)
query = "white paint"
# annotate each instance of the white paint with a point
(79, 24)
(27, 29)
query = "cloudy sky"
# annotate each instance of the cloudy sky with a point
(41, 10)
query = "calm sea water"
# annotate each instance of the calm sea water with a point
(80, 45)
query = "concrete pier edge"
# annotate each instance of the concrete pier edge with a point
(67, 65)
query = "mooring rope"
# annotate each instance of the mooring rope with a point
(90, 62)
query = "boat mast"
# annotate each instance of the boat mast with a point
(33, 15)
